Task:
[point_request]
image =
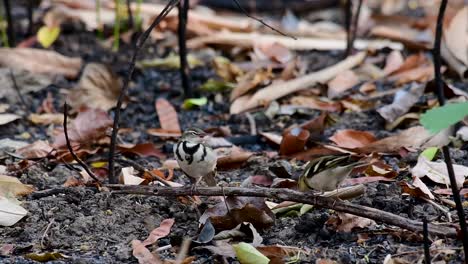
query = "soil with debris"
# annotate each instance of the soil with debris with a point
(91, 226)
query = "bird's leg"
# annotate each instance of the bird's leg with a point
(195, 182)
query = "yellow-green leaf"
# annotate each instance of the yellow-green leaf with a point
(192, 102)
(248, 254)
(430, 153)
(47, 35)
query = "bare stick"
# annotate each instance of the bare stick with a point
(10, 28)
(260, 20)
(183, 7)
(20, 96)
(427, 253)
(139, 43)
(130, 15)
(355, 26)
(445, 149)
(69, 146)
(348, 15)
(283, 194)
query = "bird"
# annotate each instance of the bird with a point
(196, 159)
(327, 173)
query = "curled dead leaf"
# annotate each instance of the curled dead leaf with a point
(99, 88)
(349, 138)
(344, 222)
(294, 140)
(342, 82)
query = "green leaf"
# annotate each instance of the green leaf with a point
(47, 35)
(441, 118)
(192, 102)
(430, 153)
(170, 62)
(306, 208)
(216, 86)
(248, 254)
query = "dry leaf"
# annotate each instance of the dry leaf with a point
(437, 171)
(279, 89)
(242, 209)
(143, 254)
(89, 126)
(393, 62)
(272, 137)
(167, 115)
(142, 150)
(46, 119)
(456, 35)
(38, 149)
(11, 186)
(417, 189)
(128, 177)
(349, 138)
(8, 118)
(344, 222)
(363, 180)
(231, 156)
(316, 103)
(345, 80)
(10, 212)
(402, 103)
(294, 140)
(250, 81)
(163, 230)
(45, 61)
(273, 51)
(99, 88)
(411, 37)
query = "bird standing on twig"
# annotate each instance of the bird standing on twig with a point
(195, 158)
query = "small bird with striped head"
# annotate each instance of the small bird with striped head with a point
(328, 172)
(196, 159)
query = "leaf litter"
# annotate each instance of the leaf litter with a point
(303, 84)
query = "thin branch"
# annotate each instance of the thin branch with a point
(139, 43)
(348, 15)
(10, 28)
(30, 10)
(130, 15)
(183, 7)
(69, 146)
(289, 195)
(445, 149)
(260, 20)
(355, 25)
(18, 92)
(427, 252)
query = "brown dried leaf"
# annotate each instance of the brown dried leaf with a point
(280, 253)
(88, 127)
(377, 169)
(316, 103)
(250, 81)
(142, 150)
(349, 138)
(393, 62)
(242, 209)
(363, 180)
(273, 51)
(232, 156)
(417, 189)
(342, 82)
(294, 140)
(38, 149)
(143, 254)
(167, 115)
(99, 88)
(163, 230)
(411, 37)
(343, 222)
(44, 61)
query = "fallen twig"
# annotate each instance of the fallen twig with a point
(10, 26)
(445, 149)
(427, 244)
(289, 195)
(69, 146)
(139, 43)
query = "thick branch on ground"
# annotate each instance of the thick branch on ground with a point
(290, 195)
